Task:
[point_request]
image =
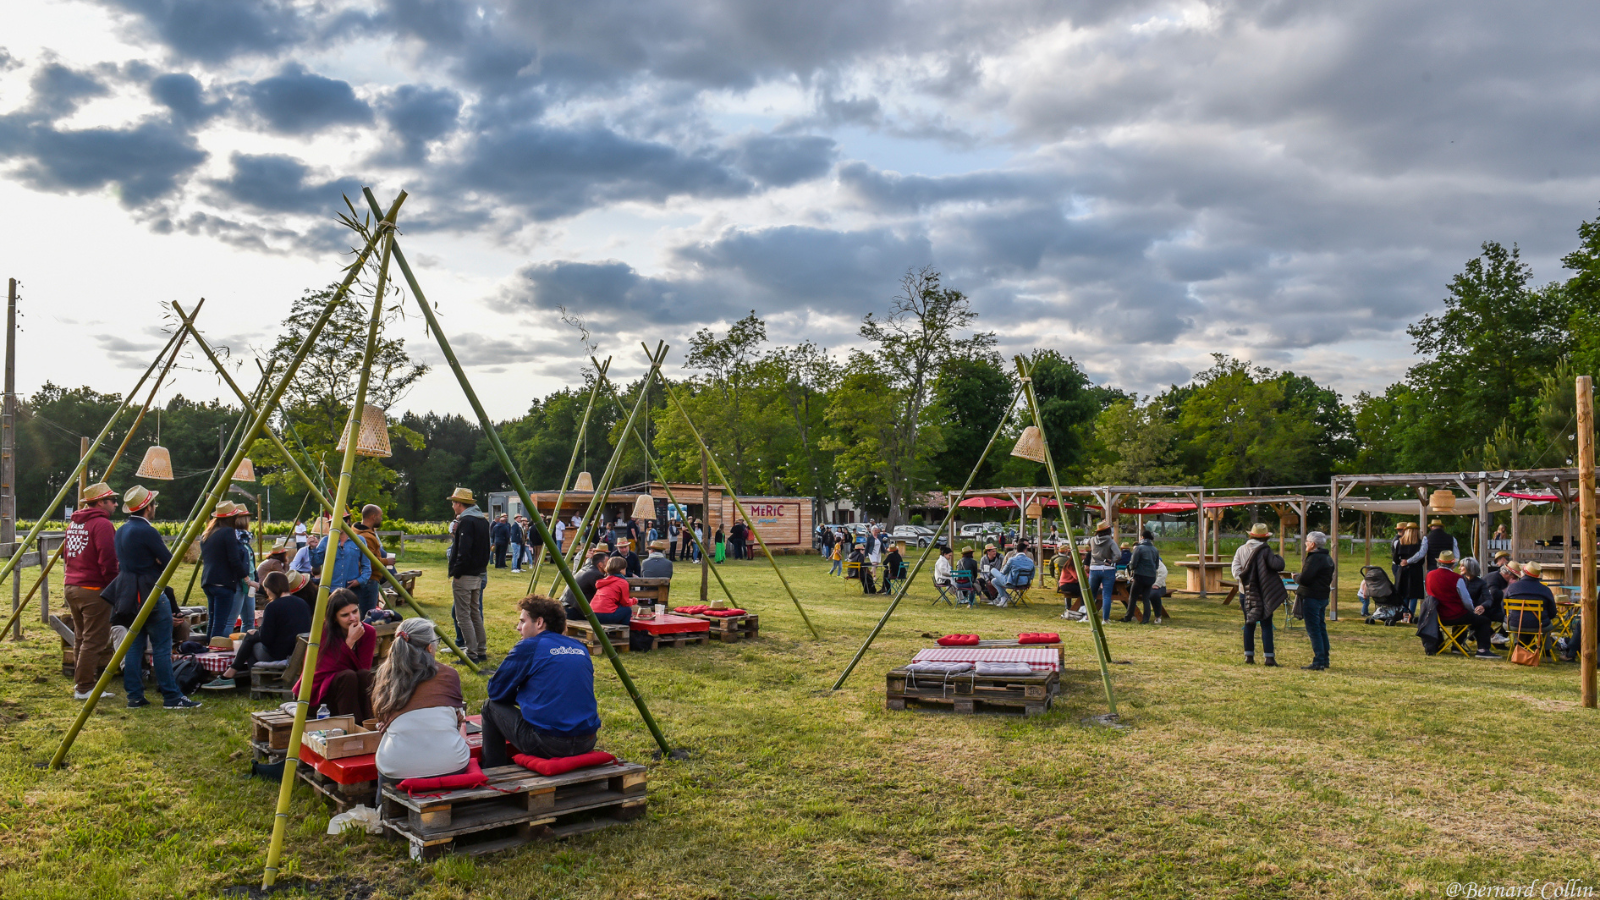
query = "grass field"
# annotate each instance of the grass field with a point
(1390, 775)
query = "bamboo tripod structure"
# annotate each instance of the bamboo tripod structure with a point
(577, 446)
(1102, 653)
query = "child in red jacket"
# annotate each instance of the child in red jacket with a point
(612, 604)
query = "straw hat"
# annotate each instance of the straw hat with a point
(1436, 523)
(1102, 525)
(988, 546)
(1260, 530)
(239, 509)
(1127, 546)
(966, 551)
(96, 492)
(1532, 568)
(1446, 556)
(463, 495)
(278, 550)
(297, 580)
(138, 498)
(224, 510)
(658, 545)
(1501, 554)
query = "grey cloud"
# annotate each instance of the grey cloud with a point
(894, 192)
(612, 291)
(419, 114)
(474, 349)
(183, 94)
(783, 160)
(296, 101)
(282, 184)
(814, 267)
(142, 163)
(215, 31)
(58, 90)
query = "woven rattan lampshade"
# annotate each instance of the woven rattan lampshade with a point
(374, 438)
(1030, 445)
(246, 472)
(157, 463)
(583, 482)
(644, 507)
(1442, 501)
(1035, 511)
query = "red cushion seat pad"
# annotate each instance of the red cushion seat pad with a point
(560, 764)
(1039, 637)
(473, 777)
(959, 640)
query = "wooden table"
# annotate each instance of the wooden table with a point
(1207, 575)
(670, 624)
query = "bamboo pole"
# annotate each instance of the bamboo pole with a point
(561, 495)
(192, 531)
(655, 467)
(952, 509)
(312, 490)
(1103, 656)
(1586, 527)
(504, 459)
(341, 502)
(216, 468)
(739, 507)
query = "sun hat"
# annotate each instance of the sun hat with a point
(297, 580)
(138, 497)
(1260, 530)
(1436, 523)
(463, 495)
(96, 492)
(1446, 556)
(224, 510)
(988, 546)
(1102, 525)
(1532, 568)
(658, 545)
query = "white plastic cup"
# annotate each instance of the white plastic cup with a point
(661, 610)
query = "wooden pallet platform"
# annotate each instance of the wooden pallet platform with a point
(265, 753)
(730, 629)
(271, 728)
(616, 634)
(518, 806)
(678, 639)
(341, 796)
(970, 693)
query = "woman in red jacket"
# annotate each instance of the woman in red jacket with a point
(612, 604)
(343, 679)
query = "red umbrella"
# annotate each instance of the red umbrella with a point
(988, 503)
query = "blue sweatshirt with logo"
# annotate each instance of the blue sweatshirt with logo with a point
(551, 677)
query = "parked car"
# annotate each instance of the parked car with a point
(916, 535)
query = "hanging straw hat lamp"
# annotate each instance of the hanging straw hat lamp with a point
(1035, 511)
(246, 471)
(157, 462)
(1442, 501)
(583, 482)
(1030, 445)
(373, 441)
(644, 507)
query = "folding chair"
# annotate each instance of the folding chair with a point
(945, 590)
(1455, 639)
(966, 589)
(1528, 629)
(1020, 592)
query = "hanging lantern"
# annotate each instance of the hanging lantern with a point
(1035, 511)
(246, 472)
(1030, 445)
(1442, 502)
(157, 464)
(583, 482)
(644, 507)
(374, 438)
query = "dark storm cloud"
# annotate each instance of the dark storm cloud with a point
(277, 183)
(296, 101)
(418, 114)
(183, 94)
(612, 292)
(141, 163)
(818, 268)
(58, 90)
(556, 172)
(215, 31)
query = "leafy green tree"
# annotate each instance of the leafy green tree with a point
(1238, 422)
(1137, 441)
(1068, 405)
(971, 395)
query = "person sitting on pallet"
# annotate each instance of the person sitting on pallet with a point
(417, 701)
(343, 679)
(541, 699)
(612, 604)
(281, 623)
(586, 577)
(656, 565)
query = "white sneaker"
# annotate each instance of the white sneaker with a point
(85, 695)
(1158, 620)
(1499, 640)
(516, 571)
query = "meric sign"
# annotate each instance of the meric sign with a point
(779, 523)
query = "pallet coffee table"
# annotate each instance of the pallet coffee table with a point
(673, 630)
(730, 629)
(970, 693)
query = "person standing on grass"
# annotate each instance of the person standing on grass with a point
(299, 534)
(90, 551)
(469, 572)
(1142, 565)
(371, 590)
(221, 568)
(517, 541)
(1408, 580)
(1103, 556)
(1261, 591)
(1316, 582)
(1435, 543)
(500, 537)
(141, 557)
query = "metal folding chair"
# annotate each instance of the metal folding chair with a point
(965, 587)
(1455, 639)
(945, 590)
(1525, 626)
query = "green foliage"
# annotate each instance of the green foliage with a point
(971, 396)
(1245, 426)
(1136, 444)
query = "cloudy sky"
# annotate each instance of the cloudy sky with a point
(1135, 184)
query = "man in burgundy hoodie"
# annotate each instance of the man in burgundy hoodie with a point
(91, 555)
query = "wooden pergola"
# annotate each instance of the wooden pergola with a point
(1483, 492)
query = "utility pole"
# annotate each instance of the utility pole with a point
(8, 450)
(1586, 519)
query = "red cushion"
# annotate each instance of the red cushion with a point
(959, 640)
(1045, 637)
(471, 778)
(724, 613)
(690, 610)
(561, 764)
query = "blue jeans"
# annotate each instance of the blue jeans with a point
(220, 608)
(1103, 582)
(622, 615)
(1317, 629)
(247, 608)
(1365, 604)
(368, 595)
(838, 568)
(158, 632)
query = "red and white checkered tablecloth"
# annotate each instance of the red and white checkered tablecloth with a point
(1039, 659)
(214, 662)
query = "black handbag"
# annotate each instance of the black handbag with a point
(188, 673)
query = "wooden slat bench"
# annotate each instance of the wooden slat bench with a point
(970, 693)
(518, 806)
(650, 591)
(616, 634)
(730, 629)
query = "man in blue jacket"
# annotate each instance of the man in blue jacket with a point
(351, 568)
(541, 699)
(500, 536)
(141, 556)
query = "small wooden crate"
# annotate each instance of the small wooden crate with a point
(358, 740)
(616, 634)
(730, 629)
(272, 726)
(970, 693)
(341, 796)
(516, 807)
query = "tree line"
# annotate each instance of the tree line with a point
(912, 409)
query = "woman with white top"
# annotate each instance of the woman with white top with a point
(417, 701)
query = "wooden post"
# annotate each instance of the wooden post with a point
(1587, 526)
(1566, 532)
(1368, 561)
(44, 579)
(8, 450)
(1333, 548)
(707, 546)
